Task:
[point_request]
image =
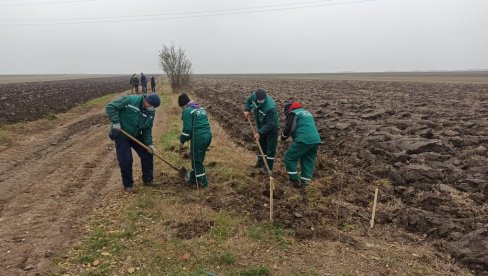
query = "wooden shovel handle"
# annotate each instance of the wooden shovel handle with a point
(259, 146)
(271, 179)
(147, 148)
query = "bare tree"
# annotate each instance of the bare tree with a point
(177, 66)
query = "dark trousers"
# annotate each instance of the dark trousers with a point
(136, 88)
(153, 88)
(123, 147)
(268, 143)
(144, 88)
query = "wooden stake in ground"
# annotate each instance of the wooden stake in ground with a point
(371, 224)
(271, 179)
(271, 189)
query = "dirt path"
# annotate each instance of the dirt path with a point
(50, 182)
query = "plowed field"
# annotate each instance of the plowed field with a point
(34, 100)
(424, 145)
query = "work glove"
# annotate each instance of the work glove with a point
(152, 149)
(116, 126)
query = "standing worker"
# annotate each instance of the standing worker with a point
(266, 116)
(135, 83)
(135, 115)
(131, 83)
(300, 125)
(144, 83)
(197, 129)
(153, 84)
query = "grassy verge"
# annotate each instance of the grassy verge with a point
(172, 229)
(5, 140)
(168, 231)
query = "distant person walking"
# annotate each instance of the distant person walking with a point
(144, 83)
(153, 84)
(135, 115)
(135, 83)
(131, 83)
(264, 109)
(300, 125)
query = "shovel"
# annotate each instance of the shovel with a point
(271, 179)
(181, 171)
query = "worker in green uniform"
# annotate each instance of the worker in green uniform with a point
(300, 125)
(264, 109)
(197, 129)
(135, 115)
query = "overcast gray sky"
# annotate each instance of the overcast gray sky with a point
(265, 36)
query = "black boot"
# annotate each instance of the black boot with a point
(148, 183)
(296, 183)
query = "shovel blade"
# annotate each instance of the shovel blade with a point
(182, 172)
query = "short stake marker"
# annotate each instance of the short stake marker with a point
(371, 223)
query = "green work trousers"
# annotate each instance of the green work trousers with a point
(306, 154)
(198, 149)
(268, 143)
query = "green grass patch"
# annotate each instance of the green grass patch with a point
(256, 271)
(4, 139)
(51, 117)
(270, 233)
(102, 269)
(134, 215)
(256, 232)
(171, 137)
(224, 225)
(99, 100)
(349, 227)
(128, 230)
(227, 259)
(98, 240)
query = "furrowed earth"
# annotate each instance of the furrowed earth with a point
(422, 144)
(33, 100)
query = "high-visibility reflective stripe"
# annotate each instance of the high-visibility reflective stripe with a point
(134, 107)
(292, 172)
(199, 175)
(191, 112)
(308, 179)
(185, 134)
(272, 158)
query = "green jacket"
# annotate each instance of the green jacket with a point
(195, 122)
(305, 130)
(130, 113)
(265, 113)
